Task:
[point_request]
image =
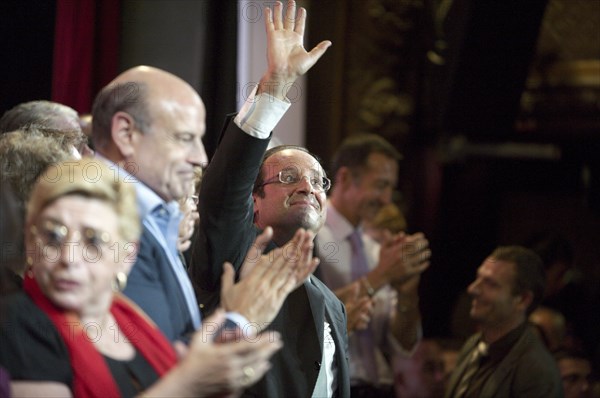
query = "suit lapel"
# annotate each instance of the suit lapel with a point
(167, 275)
(331, 309)
(493, 383)
(462, 364)
(302, 339)
(317, 306)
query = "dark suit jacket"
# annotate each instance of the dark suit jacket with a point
(153, 286)
(527, 371)
(226, 232)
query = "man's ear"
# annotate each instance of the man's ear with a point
(122, 133)
(344, 177)
(524, 300)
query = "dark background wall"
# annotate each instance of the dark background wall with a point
(26, 44)
(494, 104)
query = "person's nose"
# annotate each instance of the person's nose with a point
(473, 288)
(72, 251)
(197, 154)
(304, 185)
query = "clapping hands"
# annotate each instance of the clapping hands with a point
(267, 279)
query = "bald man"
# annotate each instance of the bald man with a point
(149, 123)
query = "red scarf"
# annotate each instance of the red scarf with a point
(91, 375)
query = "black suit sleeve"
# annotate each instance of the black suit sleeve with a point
(226, 210)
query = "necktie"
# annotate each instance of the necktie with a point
(360, 268)
(472, 366)
(359, 259)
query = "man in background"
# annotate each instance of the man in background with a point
(506, 359)
(365, 172)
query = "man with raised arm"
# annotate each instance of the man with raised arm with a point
(244, 190)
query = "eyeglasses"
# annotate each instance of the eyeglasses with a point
(53, 236)
(292, 176)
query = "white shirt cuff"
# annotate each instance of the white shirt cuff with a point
(260, 114)
(248, 329)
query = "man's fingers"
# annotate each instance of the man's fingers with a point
(305, 272)
(305, 247)
(349, 293)
(317, 52)
(390, 240)
(422, 267)
(417, 242)
(418, 235)
(180, 349)
(263, 239)
(228, 277)
(277, 15)
(300, 21)
(295, 263)
(416, 258)
(290, 15)
(260, 348)
(278, 272)
(307, 264)
(355, 290)
(185, 245)
(254, 254)
(268, 15)
(365, 303)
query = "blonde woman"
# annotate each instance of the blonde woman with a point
(71, 333)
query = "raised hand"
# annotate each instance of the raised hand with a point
(286, 56)
(268, 279)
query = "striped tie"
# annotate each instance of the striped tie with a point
(471, 368)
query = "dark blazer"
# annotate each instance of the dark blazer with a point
(226, 232)
(528, 371)
(153, 286)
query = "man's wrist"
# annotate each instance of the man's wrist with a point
(364, 281)
(376, 279)
(275, 86)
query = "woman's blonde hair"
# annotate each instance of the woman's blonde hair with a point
(89, 178)
(390, 217)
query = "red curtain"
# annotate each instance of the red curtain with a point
(86, 50)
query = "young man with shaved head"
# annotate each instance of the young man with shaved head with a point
(506, 359)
